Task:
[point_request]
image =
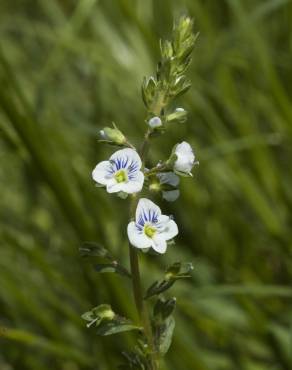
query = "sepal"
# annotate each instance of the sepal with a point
(113, 135)
(122, 195)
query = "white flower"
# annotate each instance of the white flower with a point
(185, 158)
(151, 228)
(155, 122)
(121, 173)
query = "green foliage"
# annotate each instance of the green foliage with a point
(163, 308)
(173, 273)
(112, 267)
(134, 361)
(91, 249)
(163, 324)
(106, 321)
(163, 335)
(68, 69)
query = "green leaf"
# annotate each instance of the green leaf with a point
(179, 270)
(163, 335)
(91, 249)
(112, 267)
(176, 271)
(122, 195)
(134, 361)
(115, 327)
(158, 287)
(164, 308)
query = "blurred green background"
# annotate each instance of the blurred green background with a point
(68, 68)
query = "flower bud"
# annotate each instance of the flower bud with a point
(102, 135)
(154, 122)
(108, 314)
(183, 158)
(113, 134)
(104, 312)
(179, 115)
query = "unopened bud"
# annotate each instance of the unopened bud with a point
(113, 134)
(154, 122)
(179, 115)
(108, 314)
(102, 134)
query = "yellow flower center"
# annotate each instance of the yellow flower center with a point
(121, 176)
(149, 230)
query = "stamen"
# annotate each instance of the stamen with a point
(121, 176)
(149, 230)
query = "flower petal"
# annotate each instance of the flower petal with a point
(184, 148)
(168, 178)
(185, 157)
(128, 156)
(170, 230)
(133, 186)
(114, 187)
(159, 243)
(146, 209)
(163, 220)
(101, 172)
(137, 238)
(171, 195)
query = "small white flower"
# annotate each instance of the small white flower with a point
(121, 173)
(151, 228)
(155, 122)
(185, 158)
(180, 110)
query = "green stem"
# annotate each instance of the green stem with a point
(156, 169)
(145, 147)
(136, 279)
